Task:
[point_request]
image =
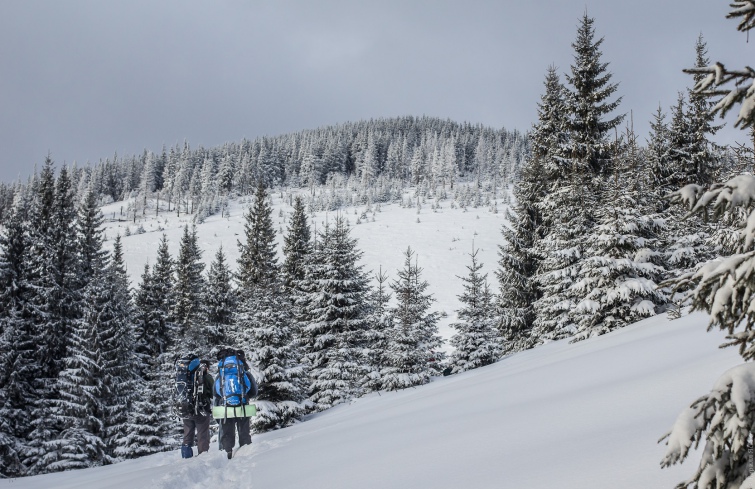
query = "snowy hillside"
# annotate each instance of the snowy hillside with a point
(583, 415)
(442, 238)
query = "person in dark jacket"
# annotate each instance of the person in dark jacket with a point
(234, 419)
(199, 421)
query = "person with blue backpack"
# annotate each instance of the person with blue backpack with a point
(234, 389)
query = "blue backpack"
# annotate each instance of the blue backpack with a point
(232, 384)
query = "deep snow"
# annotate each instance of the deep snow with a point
(584, 415)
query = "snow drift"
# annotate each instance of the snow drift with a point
(584, 415)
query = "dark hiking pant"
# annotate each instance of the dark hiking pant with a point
(228, 428)
(202, 426)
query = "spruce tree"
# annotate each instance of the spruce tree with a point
(332, 307)
(265, 319)
(150, 427)
(518, 262)
(703, 167)
(413, 354)
(679, 134)
(264, 322)
(17, 347)
(155, 298)
(257, 260)
(687, 237)
(622, 268)
(296, 244)
(189, 286)
(588, 104)
(477, 342)
(571, 202)
(220, 302)
(549, 137)
(54, 305)
(115, 319)
(81, 385)
(376, 335)
(658, 153)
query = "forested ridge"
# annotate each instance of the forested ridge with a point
(411, 150)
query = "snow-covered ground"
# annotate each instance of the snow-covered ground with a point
(584, 415)
(442, 239)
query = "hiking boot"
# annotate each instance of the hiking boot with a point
(230, 455)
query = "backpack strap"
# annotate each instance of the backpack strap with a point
(221, 371)
(242, 383)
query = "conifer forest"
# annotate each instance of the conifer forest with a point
(604, 227)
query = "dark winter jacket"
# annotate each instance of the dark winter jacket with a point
(207, 385)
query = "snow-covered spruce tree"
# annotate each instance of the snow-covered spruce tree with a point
(573, 196)
(264, 323)
(703, 168)
(17, 347)
(297, 244)
(549, 137)
(115, 319)
(658, 155)
(80, 412)
(379, 323)
(220, 302)
(518, 262)
(619, 275)
(150, 427)
(588, 105)
(477, 341)
(257, 260)
(413, 354)
(679, 135)
(190, 285)
(723, 287)
(54, 304)
(333, 305)
(155, 329)
(691, 161)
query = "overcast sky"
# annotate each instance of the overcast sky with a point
(84, 79)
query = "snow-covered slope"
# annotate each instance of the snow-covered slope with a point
(584, 415)
(442, 238)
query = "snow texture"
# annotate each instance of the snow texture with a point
(582, 415)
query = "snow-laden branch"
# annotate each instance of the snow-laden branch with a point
(725, 287)
(746, 10)
(725, 417)
(742, 92)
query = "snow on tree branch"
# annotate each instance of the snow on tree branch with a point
(745, 9)
(725, 287)
(725, 417)
(743, 91)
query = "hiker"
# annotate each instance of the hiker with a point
(196, 406)
(234, 389)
